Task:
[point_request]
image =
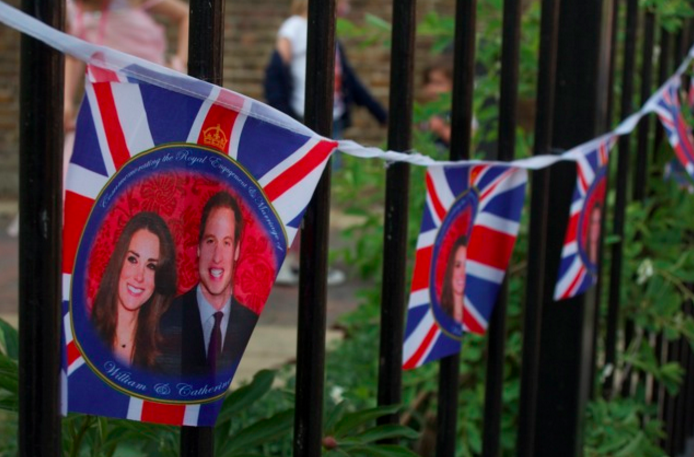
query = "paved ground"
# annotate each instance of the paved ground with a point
(274, 339)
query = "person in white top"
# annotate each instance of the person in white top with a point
(291, 44)
(285, 89)
(285, 80)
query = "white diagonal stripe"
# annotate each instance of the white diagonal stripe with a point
(293, 201)
(431, 208)
(485, 272)
(566, 280)
(75, 365)
(238, 128)
(194, 133)
(470, 308)
(132, 117)
(427, 238)
(190, 416)
(66, 279)
(84, 182)
(497, 223)
(414, 341)
(135, 409)
(443, 191)
(418, 298)
(289, 162)
(99, 128)
(67, 328)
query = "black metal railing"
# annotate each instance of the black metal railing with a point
(578, 54)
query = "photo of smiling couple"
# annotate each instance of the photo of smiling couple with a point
(200, 333)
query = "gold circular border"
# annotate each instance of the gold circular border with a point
(110, 180)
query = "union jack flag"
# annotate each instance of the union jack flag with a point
(667, 107)
(120, 117)
(578, 267)
(478, 206)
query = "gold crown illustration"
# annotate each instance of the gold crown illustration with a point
(215, 137)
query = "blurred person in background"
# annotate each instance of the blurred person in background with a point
(124, 25)
(285, 89)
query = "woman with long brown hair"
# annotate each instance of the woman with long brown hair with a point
(453, 290)
(137, 287)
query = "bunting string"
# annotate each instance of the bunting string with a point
(169, 79)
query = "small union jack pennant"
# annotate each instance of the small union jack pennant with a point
(144, 148)
(578, 268)
(470, 224)
(667, 107)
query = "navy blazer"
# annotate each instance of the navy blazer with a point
(278, 89)
(183, 348)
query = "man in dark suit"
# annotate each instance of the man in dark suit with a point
(206, 330)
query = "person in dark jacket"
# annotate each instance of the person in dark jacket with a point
(285, 76)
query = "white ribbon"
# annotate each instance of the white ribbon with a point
(169, 79)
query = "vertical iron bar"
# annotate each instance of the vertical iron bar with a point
(393, 297)
(640, 179)
(613, 64)
(40, 203)
(611, 18)
(310, 363)
(568, 326)
(206, 40)
(205, 61)
(623, 157)
(663, 74)
(539, 217)
(461, 137)
(641, 172)
(659, 392)
(677, 47)
(689, 383)
(493, 397)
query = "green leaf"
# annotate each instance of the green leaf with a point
(356, 419)
(243, 397)
(9, 403)
(377, 22)
(383, 450)
(260, 432)
(632, 447)
(9, 340)
(383, 432)
(332, 418)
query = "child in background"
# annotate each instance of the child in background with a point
(437, 80)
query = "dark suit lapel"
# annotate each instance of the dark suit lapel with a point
(193, 344)
(241, 324)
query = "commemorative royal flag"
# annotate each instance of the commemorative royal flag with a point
(667, 106)
(181, 200)
(469, 227)
(579, 257)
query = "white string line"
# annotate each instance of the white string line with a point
(169, 79)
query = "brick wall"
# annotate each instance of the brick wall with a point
(251, 27)
(9, 109)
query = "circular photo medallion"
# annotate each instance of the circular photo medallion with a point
(590, 223)
(448, 276)
(174, 265)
